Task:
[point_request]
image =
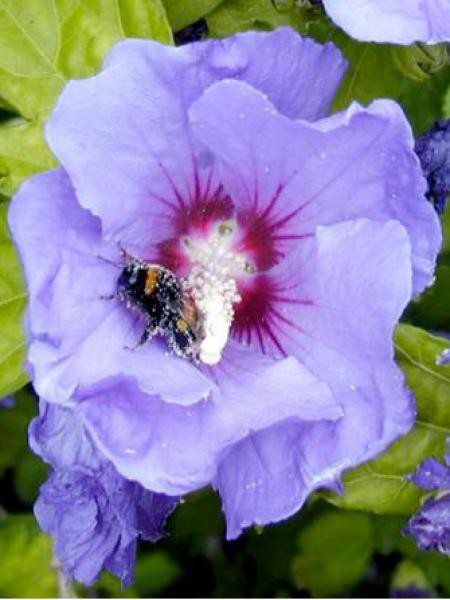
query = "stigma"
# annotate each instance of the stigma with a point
(212, 283)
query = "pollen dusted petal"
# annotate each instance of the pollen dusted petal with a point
(174, 449)
(76, 336)
(358, 274)
(124, 138)
(287, 177)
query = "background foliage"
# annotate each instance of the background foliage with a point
(324, 551)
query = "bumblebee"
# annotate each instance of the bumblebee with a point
(159, 296)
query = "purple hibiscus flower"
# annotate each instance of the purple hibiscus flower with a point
(392, 21)
(94, 514)
(431, 525)
(289, 244)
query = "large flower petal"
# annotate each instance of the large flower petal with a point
(359, 275)
(295, 175)
(392, 21)
(174, 449)
(124, 138)
(77, 337)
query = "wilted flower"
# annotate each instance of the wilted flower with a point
(392, 21)
(275, 250)
(94, 514)
(433, 150)
(431, 525)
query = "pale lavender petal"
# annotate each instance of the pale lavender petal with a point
(124, 138)
(174, 449)
(358, 274)
(298, 173)
(76, 336)
(392, 21)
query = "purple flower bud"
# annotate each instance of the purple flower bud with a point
(433, 150)
(431, 525)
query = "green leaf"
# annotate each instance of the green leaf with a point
(23, 152)
(240, 15)
(444, 257)
(39, 52)
(12, 306)
(25, 560)
(379, 70)
(29, 474)
(335, 551)
(155, 572)
(408, 575)
(380, 486)
(13, 430)
(181, 13)
(432, 309)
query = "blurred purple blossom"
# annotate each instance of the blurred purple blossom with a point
(433, 150)
(7, 402)
(431, 524)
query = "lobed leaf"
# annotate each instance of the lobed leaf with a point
(12, 307)
(45, 43)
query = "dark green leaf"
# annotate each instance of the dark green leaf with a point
(240, 15)
(155, 572)
(13, 430)
(335, 551)
(432, 310)
(29, 474)
(181, 13)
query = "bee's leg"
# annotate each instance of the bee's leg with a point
(109, 297)
(126, 256)
(147, 335)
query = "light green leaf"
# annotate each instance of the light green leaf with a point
(23, 152)
(12, 307)
(380, 486)
(408, 575)
(25, 560)
(335, 551)
(45, 43)
(181, 13)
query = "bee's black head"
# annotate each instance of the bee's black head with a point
(132, 278)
